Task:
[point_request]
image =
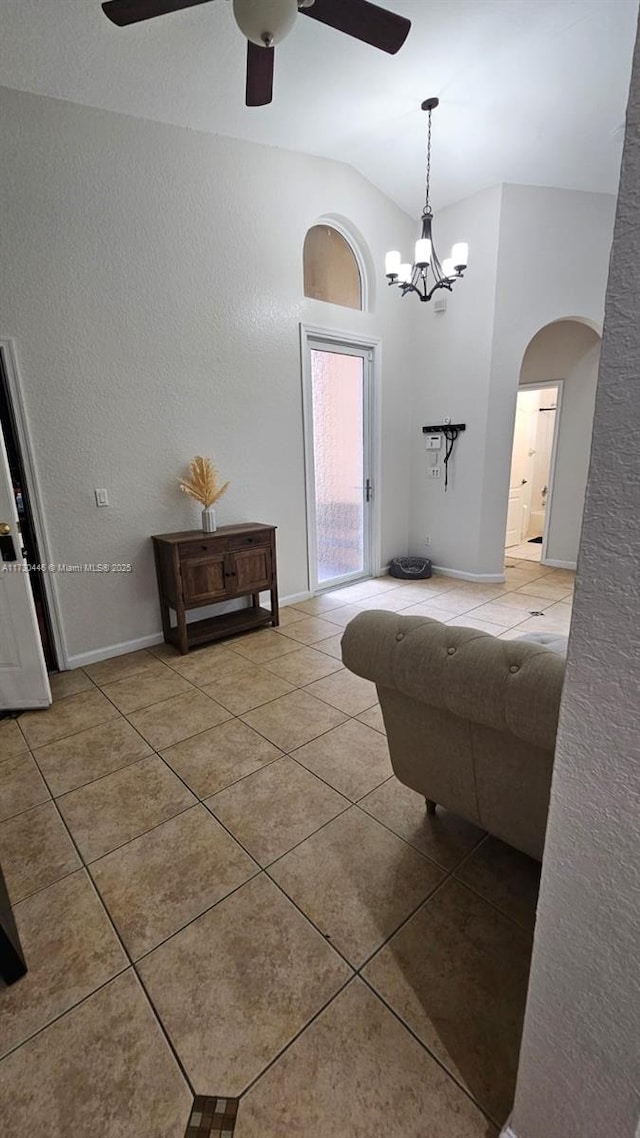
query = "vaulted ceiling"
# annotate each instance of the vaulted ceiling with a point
(532, 91)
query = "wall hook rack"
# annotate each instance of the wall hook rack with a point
(450, 432)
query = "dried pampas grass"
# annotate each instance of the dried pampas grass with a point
(204, 483)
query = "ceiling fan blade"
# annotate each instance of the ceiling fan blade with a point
(260, 61)
(123, 12)
(365, 21)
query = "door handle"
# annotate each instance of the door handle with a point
(368, 490)
(5, 529)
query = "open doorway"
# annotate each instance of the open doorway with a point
(531, 479)
(27, 635)
(551, 447)
(24, 511)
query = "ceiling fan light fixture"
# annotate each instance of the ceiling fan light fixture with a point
(265, 22)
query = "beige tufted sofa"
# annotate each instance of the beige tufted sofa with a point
(471, 719)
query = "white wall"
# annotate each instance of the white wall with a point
(580, 1057)
(552, 263)
(152, 281)
(569, 351)
(536, 255)
(453, 379)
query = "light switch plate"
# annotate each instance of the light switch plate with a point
(102, 498)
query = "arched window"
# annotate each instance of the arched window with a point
(331, 269)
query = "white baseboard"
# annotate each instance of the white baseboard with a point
(551, 561)
(461, 575)
(295, 599)
(81, 659)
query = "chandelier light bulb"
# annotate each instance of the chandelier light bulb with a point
(405, 273)
(460, 255)
(423, 252)
(392, 263)
(447, 267)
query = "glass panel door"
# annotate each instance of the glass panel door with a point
(342, 490)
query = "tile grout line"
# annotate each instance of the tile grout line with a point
(62, 1014)
(63, 738)
(294, 1039)
(351, 801)
(84, 867)
(357, 974)
(390, 829)
(81, 785)
(430, 1053)
(192, 920)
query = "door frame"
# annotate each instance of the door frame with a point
(542, 386)
(311, 334)
(9, 356)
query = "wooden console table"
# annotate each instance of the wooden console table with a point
(197, 569)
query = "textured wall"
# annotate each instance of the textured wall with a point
(152, 281)
(580, 1056)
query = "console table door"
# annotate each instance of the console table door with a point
(252, 569)
(205, 579)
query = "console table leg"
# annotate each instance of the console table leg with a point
(183, 642)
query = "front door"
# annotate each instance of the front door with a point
(23, 673)
(338, 403)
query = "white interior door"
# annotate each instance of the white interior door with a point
(23, 673)
(338, 414)
(520, 479)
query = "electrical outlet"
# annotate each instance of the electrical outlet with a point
(434, 472)
(446, 420)
(427, 540)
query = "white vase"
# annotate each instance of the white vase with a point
(209, 523)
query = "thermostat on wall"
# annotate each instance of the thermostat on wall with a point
(433, 442)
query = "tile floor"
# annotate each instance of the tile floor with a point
(526, 551)
(222, 892)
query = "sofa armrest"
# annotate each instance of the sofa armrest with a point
(510, 685)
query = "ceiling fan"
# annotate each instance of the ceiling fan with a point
(266, 22)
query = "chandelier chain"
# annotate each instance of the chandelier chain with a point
(427, 207)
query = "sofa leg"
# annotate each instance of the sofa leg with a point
(431, 806)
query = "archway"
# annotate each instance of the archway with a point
(552, 441)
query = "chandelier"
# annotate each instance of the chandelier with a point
(427, 274)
